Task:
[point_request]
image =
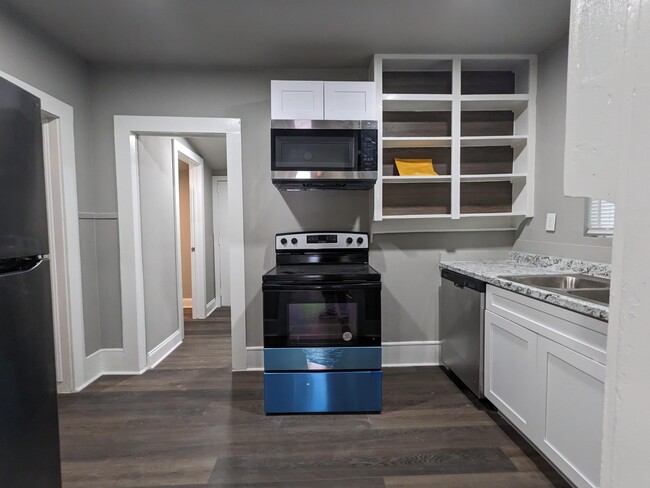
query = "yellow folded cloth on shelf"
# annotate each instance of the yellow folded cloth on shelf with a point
(415, 167)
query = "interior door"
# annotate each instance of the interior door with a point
(222, 241)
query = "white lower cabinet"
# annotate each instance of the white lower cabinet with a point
(510, 355)
(543, 373)
(571, 393)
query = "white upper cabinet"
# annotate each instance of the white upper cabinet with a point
(296, 100)
(350, 100)
(318, 100)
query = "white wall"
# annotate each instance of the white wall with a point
(568, 240)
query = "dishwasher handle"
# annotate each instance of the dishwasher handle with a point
(463, 281)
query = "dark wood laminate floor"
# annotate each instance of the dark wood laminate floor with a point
(192, 423)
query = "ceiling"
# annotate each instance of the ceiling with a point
(291, 33)
(213, 151)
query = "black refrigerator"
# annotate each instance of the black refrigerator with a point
(29, 431)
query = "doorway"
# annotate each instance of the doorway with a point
(185, 233)
(132, 249)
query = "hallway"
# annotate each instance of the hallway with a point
(191, 423)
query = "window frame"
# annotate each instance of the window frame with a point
(606, 232)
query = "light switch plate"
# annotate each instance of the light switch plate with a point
(550, 222)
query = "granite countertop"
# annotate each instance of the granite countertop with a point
(526, 264)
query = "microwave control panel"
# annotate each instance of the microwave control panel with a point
(368, 150)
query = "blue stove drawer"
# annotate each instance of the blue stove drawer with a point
(351, 391)
(322, 358)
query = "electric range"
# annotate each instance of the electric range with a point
(322, 325)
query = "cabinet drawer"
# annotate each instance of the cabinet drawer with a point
(583, 334)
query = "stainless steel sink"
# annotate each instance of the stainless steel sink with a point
(586, 287)
(600, 295)
(561, 281)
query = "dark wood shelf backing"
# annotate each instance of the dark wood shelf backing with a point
(417, 199)
(487, 82)
(417, 124)
(488, 197)
(486, 160)
(417, 82)
(440, 156)
(487, 123)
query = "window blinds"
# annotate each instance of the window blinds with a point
(600, 220)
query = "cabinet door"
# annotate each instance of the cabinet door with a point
(296, 100)
(510, 367)
(350, 100)
(570, 402)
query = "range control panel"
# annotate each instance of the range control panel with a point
(322, 240)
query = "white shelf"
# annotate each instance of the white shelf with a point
(486, 141)
(416, 141)
(515, 103)
(492, 214)
(493, 177)
(521, 101)
(416, 179)
(416, 103)
(417, 216)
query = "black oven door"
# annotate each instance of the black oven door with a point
(322, 315)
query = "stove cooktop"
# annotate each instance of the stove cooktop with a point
(322, 272)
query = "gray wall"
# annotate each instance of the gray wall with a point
(411, 278)
(210, 286)
(568, 240)
(46, 65)
(241, 94)
(157, 216)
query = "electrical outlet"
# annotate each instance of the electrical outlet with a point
(550, 222)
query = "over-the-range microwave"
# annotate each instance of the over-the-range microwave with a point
(324, 154)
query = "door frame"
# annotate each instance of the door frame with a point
(216, 227)
(197, 230)
(130, 234)
(63, 218)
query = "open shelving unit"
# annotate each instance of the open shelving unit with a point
(474, 117)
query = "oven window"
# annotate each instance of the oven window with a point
(332, 320)
(315, 152)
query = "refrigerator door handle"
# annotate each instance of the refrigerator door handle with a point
(19, 265)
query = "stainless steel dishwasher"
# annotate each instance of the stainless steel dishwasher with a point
(462, 323)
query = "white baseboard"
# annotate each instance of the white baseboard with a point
(210, 307)
(164, 349)
(187, 303)
(394, 354)
(410, 353)
(255, 358)
(102, 362)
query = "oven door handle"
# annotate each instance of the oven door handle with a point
(324, 287)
